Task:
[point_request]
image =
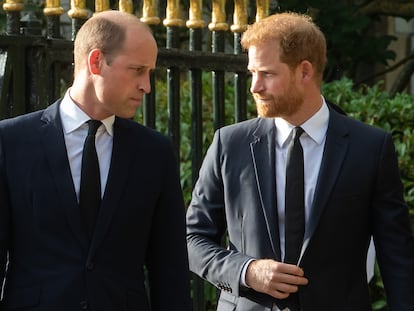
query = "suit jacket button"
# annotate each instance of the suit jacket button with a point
(90, 266)
(84, 305)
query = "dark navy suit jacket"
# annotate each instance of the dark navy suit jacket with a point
(358, 194)
(140, 228)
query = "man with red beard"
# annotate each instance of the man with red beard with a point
(351, 190)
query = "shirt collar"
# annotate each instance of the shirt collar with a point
(73, 117)
(315, 127)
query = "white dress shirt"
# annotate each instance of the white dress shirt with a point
(75, 131)
(313, 143)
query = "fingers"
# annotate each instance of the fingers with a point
(274, 278)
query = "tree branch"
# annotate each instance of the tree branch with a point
(388, 69)
(403, 78)
(404, 9)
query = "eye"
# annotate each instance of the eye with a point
(137, 70)
(262, 74)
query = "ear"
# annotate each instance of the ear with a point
(95, 59)
(306, 70)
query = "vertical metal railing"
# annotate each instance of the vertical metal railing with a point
(150, 17)
(173, 23)
(219, 28)
(240, 78)
(196, 24)
(16, 57)
(13, 9)
(53, 11)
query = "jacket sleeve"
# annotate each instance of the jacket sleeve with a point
(392, 232)
(206, 227)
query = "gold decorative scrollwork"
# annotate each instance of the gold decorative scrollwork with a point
(101, 5)
(149, 13)
(218, 17)
(78, 9)
(126, 6)
(239, 16)
(13, 6)
(262, 9)
(195, 14)
(173, 14)
(53, 7)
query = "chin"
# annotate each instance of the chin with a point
(264, 112)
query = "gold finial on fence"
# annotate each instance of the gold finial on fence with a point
(149, 13)
(101, 5)
(262, 9)
(53, 8)
(13, 6)
(239, 16)
(78, 9)
(173, 14)
(218, 18)
(126, 6)
(196, 15)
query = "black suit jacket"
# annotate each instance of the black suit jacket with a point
(358, 194)
(141, 223)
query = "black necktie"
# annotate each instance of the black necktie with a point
(90, 185)
(294, 208)
(294, 199)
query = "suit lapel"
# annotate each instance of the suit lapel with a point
(118, 173)
(55, 151)
(335, 149)
(263, 156)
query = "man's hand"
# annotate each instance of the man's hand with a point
(274, 278)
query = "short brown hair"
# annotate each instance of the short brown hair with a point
(99, 33)
(298, 36)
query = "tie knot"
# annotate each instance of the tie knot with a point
(297, 132)
(93, 126)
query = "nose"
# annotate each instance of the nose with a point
(256, 85)
(144, 84)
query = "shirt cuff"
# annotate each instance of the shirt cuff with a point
(243, 274)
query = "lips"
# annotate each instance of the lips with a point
(257, 97)
(262, 100)
(137, 99)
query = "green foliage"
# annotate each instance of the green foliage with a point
(377, 291)
(353, 40)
